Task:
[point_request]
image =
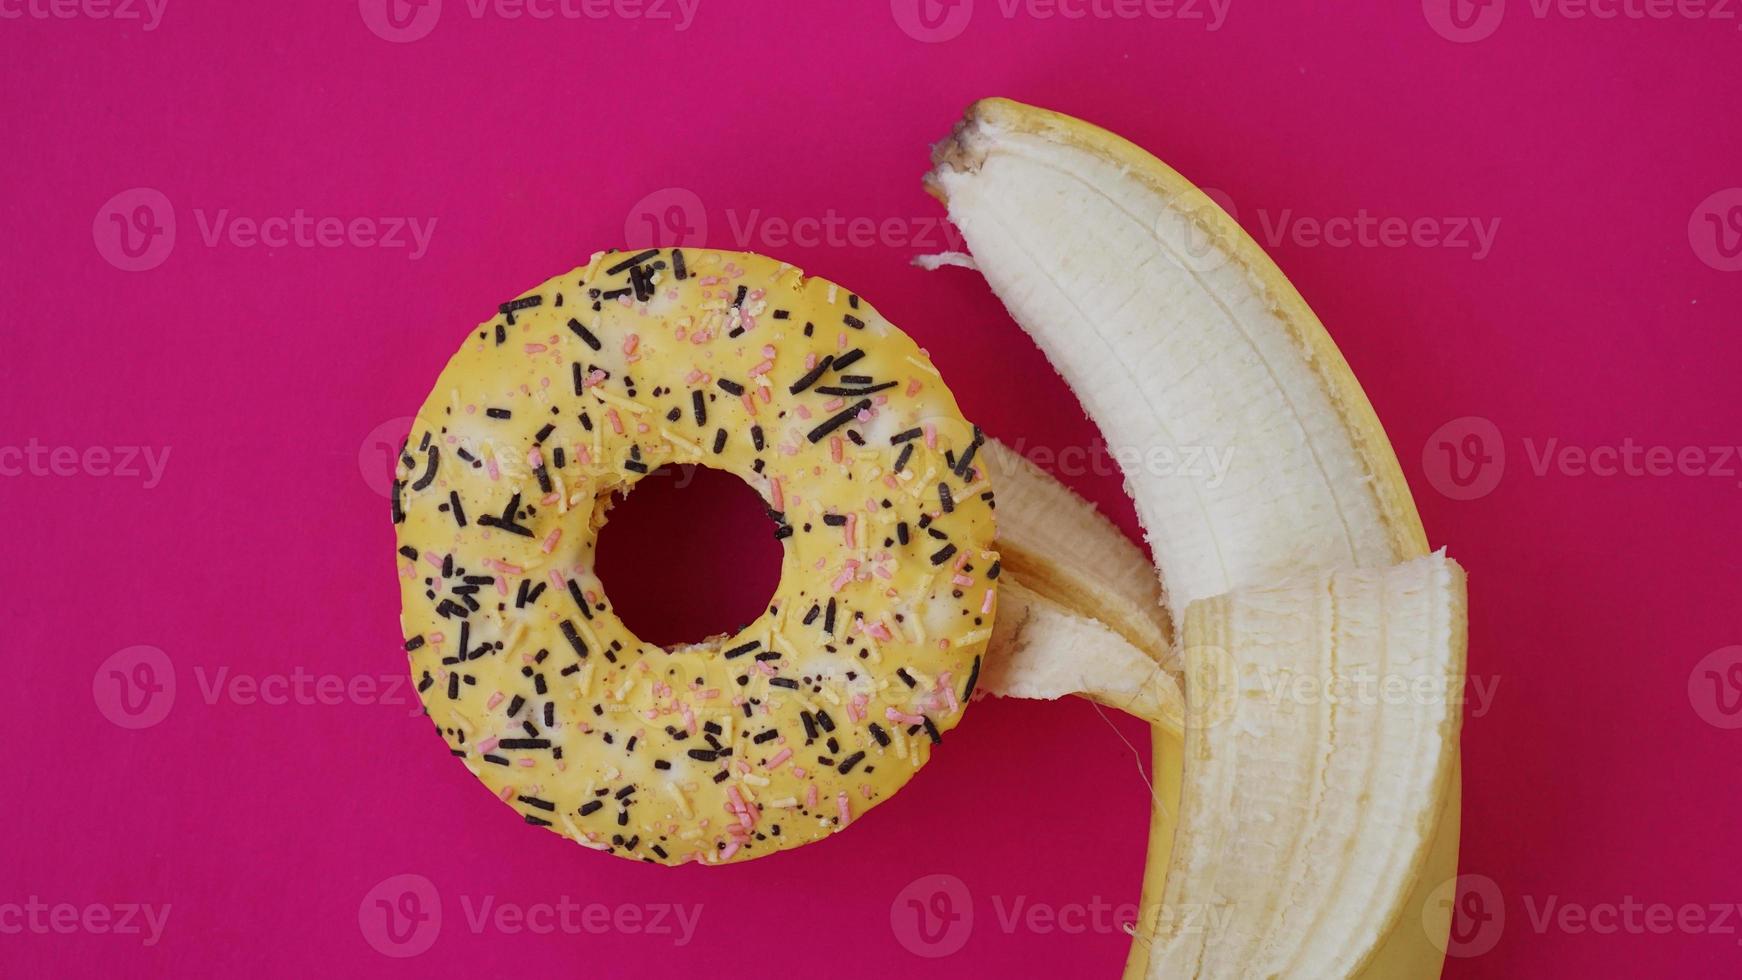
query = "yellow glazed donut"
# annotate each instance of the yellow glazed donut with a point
(737, 746)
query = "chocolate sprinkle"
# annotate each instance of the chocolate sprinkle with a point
(588, 338)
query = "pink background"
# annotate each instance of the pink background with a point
(1601, 771)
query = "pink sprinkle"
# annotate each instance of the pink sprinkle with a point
(631, 342)
(841, 807)
(749, 403)
(730, 850)
(584, 455)
(835, 448)
(616, 422)
(495, 699)
(810, 361)
(779, 757)
(550, 540)
(535, 348)
(834, 403)
(931, 435)
(905, 719)
(507, 793)
(694, 376)
(986, 603)
(913, 387)
(556, 579)
(490, 466)
(433, 558)
(804, 412)
(777, 496)
(853, 531)
(534, 458)
(810, 796)
(962, 580)
(501, 586)
(437, 638)
(489, 744)
(525, 763)
(761, 369)
(847, 573)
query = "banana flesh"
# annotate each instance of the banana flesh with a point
(1319, 798)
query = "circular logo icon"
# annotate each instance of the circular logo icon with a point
(401, 916)
(1465, 916)
(1464, 21)
(135, 687)
(667, 218)
(1715, 688)
(1200, 235)
(932, 21)
(1715, 230)
(933, 916)
(1212, 684)
(400, 21)
(379, 453)
(135, 229)
(1465, 458)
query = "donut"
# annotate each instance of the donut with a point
(737, 746)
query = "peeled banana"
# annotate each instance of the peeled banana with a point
(1314, 824)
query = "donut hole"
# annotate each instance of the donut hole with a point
(688, 554)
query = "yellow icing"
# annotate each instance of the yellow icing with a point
(603, 358)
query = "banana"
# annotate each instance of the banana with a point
(1180, 335)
